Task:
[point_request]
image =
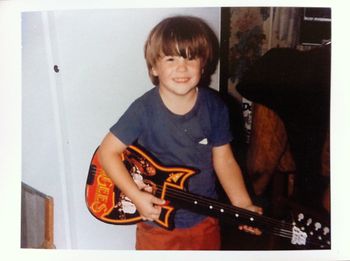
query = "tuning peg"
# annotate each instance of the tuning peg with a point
(325, 230)
(309, 221)
(300, 217)
(317, 226)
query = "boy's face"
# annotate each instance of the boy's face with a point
(177, 74)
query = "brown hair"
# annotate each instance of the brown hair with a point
(186, 36)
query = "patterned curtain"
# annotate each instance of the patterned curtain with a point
(285, 27)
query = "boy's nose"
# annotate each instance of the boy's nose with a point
(181, 66)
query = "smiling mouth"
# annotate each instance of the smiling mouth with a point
(181, 79)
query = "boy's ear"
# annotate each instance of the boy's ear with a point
(154, 72)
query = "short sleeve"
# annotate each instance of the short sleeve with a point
(220, 122)
(129, 126)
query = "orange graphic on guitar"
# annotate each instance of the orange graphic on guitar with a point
(110, 205)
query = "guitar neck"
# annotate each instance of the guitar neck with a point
(232, 214)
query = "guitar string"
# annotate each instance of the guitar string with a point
(279, 228)
(188, 197)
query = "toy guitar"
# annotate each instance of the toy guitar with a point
(108, 204)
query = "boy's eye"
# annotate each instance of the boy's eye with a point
(169, 59)
(173, 58)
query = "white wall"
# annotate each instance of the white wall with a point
(99, 54)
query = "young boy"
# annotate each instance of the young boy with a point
(180, 123)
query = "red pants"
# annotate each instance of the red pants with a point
(203, 236)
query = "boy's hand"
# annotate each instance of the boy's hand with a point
(148, 206)
(249, 229)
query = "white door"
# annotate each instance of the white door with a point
(68, 108)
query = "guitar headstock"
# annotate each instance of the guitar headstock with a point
(310, 231)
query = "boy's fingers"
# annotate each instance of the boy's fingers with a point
(150, 217)
(255, 209)
(158, 201)
(252, 230)
(259, 210)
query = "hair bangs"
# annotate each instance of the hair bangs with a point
(183, 42)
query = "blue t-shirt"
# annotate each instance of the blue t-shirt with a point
(184, 140)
